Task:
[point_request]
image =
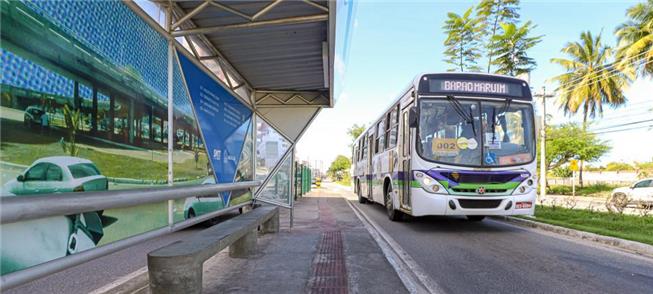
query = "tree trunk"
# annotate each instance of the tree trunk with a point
(461, 54)
(489, 55)
(580, 162)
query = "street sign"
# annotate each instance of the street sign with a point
(573, 165)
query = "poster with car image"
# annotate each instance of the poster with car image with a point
(83, 108)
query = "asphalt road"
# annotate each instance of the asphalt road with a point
(494, 257)
(95, 274)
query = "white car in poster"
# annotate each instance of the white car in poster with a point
(36, 241)
(196, 206)
(57, 174)
(640, 193)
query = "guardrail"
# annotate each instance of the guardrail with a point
(27, 207)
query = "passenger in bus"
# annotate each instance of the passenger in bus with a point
(467, 155)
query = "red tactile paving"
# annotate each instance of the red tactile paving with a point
(329, 271)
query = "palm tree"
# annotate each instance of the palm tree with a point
(636, 39)
(492, 14)
(462, 43)
(510, 47)
(590, 82)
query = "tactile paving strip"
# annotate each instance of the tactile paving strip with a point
(329, 271)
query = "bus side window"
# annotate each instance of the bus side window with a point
(393, 126)
(378, 134)
(404, 133)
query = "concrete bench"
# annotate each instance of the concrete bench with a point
(177, 268)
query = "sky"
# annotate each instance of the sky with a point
(392, 42)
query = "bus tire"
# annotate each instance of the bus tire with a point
(475, 218)
(393, 214)
(361, 199)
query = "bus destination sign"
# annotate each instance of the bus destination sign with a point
(475, 87)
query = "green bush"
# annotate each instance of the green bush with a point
(562, 172)
(619, 166)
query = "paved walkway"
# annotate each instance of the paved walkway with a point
(328, 250)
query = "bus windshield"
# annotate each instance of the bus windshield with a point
(475, 133)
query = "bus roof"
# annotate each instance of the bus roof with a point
(421, 83)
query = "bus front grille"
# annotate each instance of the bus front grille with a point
(460, 190)
(471, 203)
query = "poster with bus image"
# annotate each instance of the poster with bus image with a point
(83, 107)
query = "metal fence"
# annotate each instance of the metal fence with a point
(28, 207)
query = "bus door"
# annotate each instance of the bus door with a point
(404, 162)
(370, 171)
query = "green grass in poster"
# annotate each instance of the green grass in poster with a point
(21, 145)
(135, 220)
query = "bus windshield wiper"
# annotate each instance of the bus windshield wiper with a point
(458, 108)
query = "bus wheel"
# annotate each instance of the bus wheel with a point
(361, 199)
(475, 218)
(393, 214)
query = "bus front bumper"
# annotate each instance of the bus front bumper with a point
(424, 203)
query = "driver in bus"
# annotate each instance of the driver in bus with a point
(433, 128)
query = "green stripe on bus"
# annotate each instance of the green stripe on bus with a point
(504, 186)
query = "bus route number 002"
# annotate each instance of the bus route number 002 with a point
(444, 147)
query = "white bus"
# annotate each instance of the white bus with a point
(451, 144)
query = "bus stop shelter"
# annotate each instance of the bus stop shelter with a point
(121, 69)
(277, 56)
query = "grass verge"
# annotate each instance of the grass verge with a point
(345, 182)
(598, 190)
(629, 227)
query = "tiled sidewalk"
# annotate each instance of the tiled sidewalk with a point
(328, 250)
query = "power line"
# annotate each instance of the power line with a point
(623, 130)
(622, 125)
(614, 63)
(549, 137)
(623, 115)
(593, 81)
(629, 108)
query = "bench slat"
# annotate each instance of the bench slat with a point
(218, 237)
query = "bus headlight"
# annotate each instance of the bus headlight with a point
(523, 188)
(429, 184)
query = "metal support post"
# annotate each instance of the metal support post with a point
(543, 95)
(292, 186)
(171, 128)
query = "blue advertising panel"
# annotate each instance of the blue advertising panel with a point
(223, 120)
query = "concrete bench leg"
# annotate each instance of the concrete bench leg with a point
(272, 225)
(172, 275)
(244, 247)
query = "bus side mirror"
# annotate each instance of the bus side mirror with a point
(412, 117)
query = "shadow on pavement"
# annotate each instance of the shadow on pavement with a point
(444, 224)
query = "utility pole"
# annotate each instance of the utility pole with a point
(543, 95)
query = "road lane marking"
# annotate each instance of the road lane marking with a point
(411, 274)
(113, 286)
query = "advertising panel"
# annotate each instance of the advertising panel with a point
(83, 107)
(224, 123)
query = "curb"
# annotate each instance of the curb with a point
(410, 273)
(626, 245)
